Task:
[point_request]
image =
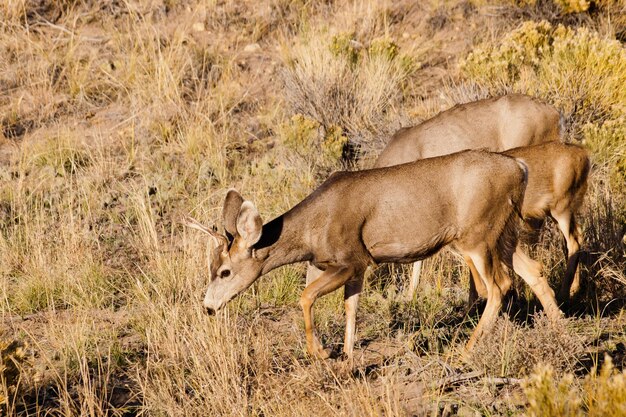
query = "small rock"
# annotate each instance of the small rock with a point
(405, 35)
(252, 47)
(198, 27)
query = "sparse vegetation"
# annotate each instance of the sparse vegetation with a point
(601, 394)
(108, 136)
(330, 81)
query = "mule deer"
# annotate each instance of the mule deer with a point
(396, 214)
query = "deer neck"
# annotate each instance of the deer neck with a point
(281, 243)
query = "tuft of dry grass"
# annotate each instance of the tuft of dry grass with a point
(511, 350)
(603, 393)
(331, 80)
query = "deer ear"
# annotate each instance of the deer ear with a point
(232, 205)
(249, 224)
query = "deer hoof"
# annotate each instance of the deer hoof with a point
(323, 353)
(318, 352)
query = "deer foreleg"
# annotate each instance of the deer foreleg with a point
(414, 281)
(327, 282)
(487, 271)
(477, 287)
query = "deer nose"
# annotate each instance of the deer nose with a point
(210, 311)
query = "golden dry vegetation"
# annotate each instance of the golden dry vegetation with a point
(117, 117)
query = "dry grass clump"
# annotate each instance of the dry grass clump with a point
(13, 359)
(46, 266)
(243, 365)
(601, 394)
(511, 350)
(604, 229)
(341, 83)
(550, 397)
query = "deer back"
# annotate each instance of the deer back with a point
(494, 124)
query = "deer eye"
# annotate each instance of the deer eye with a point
(225, 273)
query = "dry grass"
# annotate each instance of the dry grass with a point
(339, 81)
(513, 351)
(601, 394)
(109, 136)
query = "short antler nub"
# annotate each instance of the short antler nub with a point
(194, 224)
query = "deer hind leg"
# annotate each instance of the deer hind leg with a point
(573, 238)
(312, 273)
(530, 271)
(477, 288)
(327, 282)
(415, 280)
(496, 283)
(352, 290)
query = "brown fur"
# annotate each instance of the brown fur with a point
(495, 124)
(557, 182)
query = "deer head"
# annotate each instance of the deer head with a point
(230, 258)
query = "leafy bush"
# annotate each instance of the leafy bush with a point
(577, 69)
(608, 144)
(564, 6)
(573, 6)
(307, 138)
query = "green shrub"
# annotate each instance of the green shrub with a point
(344, 45)
(564, 6)
(576, 69)
(385, 48)
(608, 144)
(307, 137)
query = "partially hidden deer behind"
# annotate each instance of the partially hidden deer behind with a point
(498, 124)
(470, 200)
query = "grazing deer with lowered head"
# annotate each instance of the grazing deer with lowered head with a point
(404, 213)
(495, 124)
